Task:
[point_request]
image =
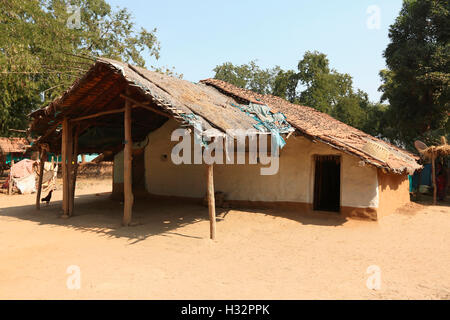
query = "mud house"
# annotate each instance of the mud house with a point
(131, 113)
(12, 149)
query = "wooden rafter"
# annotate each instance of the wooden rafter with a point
(145, 106)
(99, 114)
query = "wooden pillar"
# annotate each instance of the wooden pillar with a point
(65, 126)
(41, 177)
(83, 158)
(66, 159)
(211, 201)
(69, 168)
(127, 167)
(74, 173)
(433, 176)
(10, 182)
(113, 173)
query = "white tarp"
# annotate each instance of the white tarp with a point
(24, 176)
(26, 185)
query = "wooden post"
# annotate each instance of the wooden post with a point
(41, 177)
(127, 166)
(69, 169)
(433, 175)
(75, 172)
(66, 159)
(10, 182)
(83, 158)
(211, 201)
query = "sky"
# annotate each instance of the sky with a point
(196, 35)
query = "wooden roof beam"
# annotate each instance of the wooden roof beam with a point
(99, 114)
(142, 105)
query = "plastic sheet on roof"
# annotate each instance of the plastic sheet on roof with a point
(275, 123)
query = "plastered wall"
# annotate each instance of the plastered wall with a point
(293, 183)
(118, 168)
(394, 192)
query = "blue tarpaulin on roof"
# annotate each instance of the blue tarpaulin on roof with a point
(275, 123)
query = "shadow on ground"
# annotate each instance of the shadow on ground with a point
(98, 213)
(427, 200)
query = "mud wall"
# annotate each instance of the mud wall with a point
(293, 186)
(394, 192)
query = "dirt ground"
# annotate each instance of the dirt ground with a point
(258, 254)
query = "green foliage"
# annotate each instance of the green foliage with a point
(248, 76)
(349, 111)
(326, 89)
(373, 115)
(312, 67)
(417, 81)
(323, 88)
(40, 56)
(285, 85)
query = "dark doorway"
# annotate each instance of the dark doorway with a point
(327, 183)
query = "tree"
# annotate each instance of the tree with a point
(248, 76)
(348, 110)
(324, 88)
(44, 47)
(330, 91)
(236, 75)
(285, 85)
(371, 115)
(417, 81)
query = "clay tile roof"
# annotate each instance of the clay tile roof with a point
(13, 145)
(322, 127)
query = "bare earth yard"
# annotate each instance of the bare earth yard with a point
(258, 254)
